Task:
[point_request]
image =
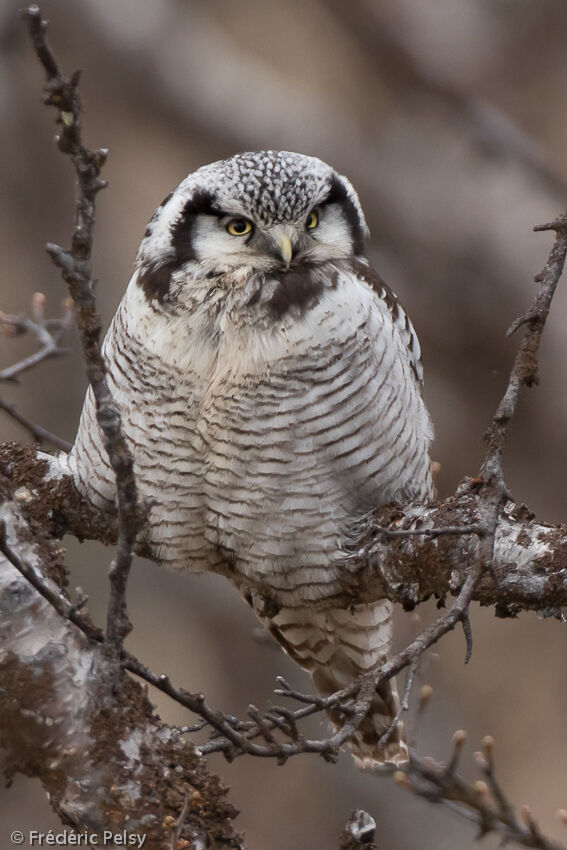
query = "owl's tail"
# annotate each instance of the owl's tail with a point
(337, 646)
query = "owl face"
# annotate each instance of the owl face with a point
(263, 212)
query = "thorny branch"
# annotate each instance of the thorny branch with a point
(76, 269)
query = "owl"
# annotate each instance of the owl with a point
(270, 390)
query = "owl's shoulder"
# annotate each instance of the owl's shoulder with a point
(399, 316)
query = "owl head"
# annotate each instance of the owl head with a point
(261, 211)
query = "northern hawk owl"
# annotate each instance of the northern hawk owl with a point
(270, 389)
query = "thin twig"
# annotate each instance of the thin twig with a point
(361, 692)
(49, 333)
(180, 821)
(37, 431)
(440, 531)
(76, 268)
(43, 353)
(483, 802)
(524, 372)
(404, 706)
(55, 598)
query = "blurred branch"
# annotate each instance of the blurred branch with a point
(49, 333)
(410, 76)
(483, 802)
(37, 431)
(76, 268)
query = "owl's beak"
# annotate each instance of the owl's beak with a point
(285, 248)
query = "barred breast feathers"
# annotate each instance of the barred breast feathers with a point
(287, 378)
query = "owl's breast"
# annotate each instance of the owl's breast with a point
(262, 430)
(306, 427)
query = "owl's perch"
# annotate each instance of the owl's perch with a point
(528, 570)
(104, 756)
(391, 561)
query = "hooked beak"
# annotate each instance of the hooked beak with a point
(285, 248)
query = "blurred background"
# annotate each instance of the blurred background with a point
(451, 120)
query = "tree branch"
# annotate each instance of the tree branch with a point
(75, 267)
(37, 431)
(107, 764)
(525, 369)
(483, 802)
(48, 332)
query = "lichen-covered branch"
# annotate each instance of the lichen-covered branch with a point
(107, 763)
(528, 570)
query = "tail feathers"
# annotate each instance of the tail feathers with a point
(338, 646)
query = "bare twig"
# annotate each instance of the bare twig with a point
(48, 590)
(525, 369)
(49, 333)
(37, 431)
(176, 834)
(404, 706)
(484, 802)
(75, 266)
(353, 701)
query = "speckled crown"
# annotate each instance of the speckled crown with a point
(267, 186)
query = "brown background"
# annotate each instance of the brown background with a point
(450, 119)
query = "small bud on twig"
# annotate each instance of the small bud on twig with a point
(481, 788)
(459, 738)
(480, 760)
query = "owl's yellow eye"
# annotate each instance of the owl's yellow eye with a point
(238, 227)
(312, 220)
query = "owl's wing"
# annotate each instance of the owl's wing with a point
(400, 318)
